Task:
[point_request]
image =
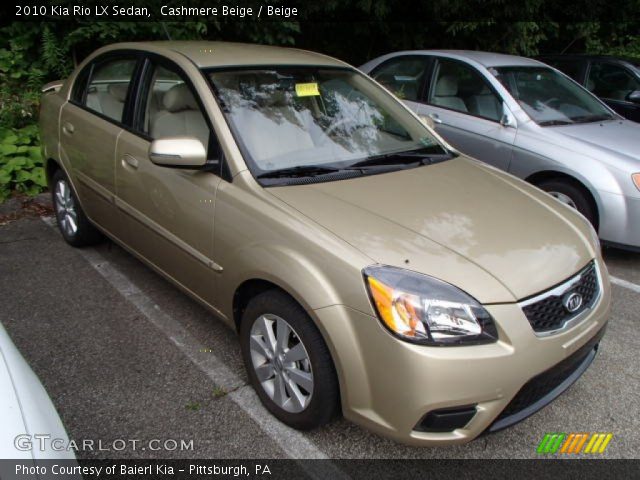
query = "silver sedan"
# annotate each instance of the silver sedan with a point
(531, 120)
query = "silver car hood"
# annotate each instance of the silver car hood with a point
(620, 138)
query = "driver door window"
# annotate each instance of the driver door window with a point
(171, 110)
(466, 112)
(403, 76)
(461, 88)
(610, 81)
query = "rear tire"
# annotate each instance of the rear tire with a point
(74, 225)
(288, 362)
(571, 195)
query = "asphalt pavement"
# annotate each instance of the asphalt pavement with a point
(125, 355)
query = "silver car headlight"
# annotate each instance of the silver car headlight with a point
(422, 309)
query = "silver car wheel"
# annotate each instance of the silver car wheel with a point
(562, 198)
(66, 208)
(281, 363)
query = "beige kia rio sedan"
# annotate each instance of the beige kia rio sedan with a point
(369, 267)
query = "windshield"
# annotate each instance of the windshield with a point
(549, 97)
(316, 120)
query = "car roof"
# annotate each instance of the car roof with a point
(591, 56)
(218, 54)
(487, 59)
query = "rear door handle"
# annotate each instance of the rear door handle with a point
(129, 160)
(435, 117)
(68, 128)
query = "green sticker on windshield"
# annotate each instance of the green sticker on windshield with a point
(307, 89)
(427, 141)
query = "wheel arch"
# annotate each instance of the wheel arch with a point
(250, 289)
(255, 286)
(50, 168)
(544, 175)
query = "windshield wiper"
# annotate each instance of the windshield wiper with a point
(402, 158)
(299, 171)
(548, 123)
(591, 118)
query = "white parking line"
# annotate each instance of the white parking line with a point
(292, 442)
(624, 283)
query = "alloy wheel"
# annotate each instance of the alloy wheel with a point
(66, 208)
(562, 198)
(281, 363)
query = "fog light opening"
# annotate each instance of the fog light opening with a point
(446, 419)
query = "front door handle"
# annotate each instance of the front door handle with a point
(68, 128)
(435, 117)
(130, 161)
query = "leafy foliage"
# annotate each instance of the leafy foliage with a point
(21, 166)
(32, 53)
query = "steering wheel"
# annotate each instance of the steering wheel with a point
(551, 102)
(343, 121)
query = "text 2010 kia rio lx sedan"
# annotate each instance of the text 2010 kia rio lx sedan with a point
(366, 265)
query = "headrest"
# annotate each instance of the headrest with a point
(447, 86)
(178, 98)
(118, 91)
(484, 90)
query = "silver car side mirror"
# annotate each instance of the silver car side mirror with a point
(634, 96)
(428, 121)
(507, 119)
(178, 152)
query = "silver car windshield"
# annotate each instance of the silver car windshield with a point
(297, 117)
(549, 97)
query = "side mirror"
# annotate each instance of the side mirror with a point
(428, 121)
(634, 96)
(507, 119)
(178, 152)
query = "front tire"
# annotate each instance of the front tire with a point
(571, 195)
(74, 225)
(288, 362)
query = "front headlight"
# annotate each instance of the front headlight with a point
(636, 180)
(422, 309)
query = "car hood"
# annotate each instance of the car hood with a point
(620, 137)
(486, 232)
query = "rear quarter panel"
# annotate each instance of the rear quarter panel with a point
(50, 106)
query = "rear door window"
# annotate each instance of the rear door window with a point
(108, 87)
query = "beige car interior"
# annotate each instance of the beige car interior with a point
(446, 94)
(177, 115)
(471, 95)
(171, 112)
(272, 120)
(108, 100)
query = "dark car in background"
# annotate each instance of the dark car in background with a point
(616, 80)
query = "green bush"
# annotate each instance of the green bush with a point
(21, 166)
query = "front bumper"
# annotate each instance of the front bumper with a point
(619, 220)
(388, 385)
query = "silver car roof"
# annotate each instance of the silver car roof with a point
(487, 59)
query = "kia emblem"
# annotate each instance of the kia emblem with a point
(572, 302)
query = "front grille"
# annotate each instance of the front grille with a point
(544, 384)
(547, 312)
